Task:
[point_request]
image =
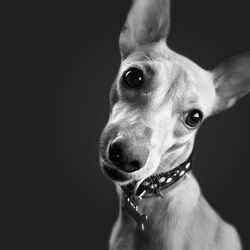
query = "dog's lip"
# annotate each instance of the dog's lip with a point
(112, 172)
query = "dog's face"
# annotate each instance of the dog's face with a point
(159, 98)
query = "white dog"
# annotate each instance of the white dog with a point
(159, 99)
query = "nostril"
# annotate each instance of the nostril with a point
(115, 153)
(134, 165)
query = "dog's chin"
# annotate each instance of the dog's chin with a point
(118, 177)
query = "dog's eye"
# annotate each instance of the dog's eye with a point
(133, 78)
(194, 118)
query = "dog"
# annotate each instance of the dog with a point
(158, 100)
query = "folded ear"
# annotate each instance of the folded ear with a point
(232, 81)
(148, 21)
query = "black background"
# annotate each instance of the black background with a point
(59, 61)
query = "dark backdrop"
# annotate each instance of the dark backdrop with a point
(60, 59)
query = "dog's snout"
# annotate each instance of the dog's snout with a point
(126, 156)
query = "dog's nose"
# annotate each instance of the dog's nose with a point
(126, 156)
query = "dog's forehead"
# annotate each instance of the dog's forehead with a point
(190, 86)
(178, 79)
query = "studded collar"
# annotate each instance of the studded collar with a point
(154, 184)
(150, 187)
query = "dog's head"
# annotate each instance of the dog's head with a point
(159, 98)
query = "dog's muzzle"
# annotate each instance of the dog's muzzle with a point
(124, 150)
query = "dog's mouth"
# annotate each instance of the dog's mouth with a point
(113, 173)
(123, 178)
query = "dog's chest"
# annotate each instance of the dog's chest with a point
(129, 237)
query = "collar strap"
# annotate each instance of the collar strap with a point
(154, 184)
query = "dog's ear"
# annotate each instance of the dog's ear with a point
(231, 81)
(148, 21)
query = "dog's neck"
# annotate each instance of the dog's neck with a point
(166, 215)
